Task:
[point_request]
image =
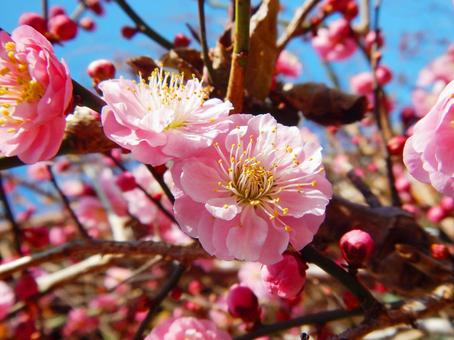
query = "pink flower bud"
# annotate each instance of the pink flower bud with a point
(371, 37)
(181, 40)
(63, 27)
(384, 75)
(447, 203)
(126, 181)
(195, 287)
(128, 32)
(411, 208)
(56, 10)
(351, 11)
(243, 303)
(101, 69)
(357, 246)
(436, 214)
(87, 24)
(407, 114)
(402, 184)
(34, 20)
(26, 287)
(396, 145)
(439, 251)
(285, 278)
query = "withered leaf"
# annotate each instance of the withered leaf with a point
(262, 49)
(142, 65)
(325, 105)
(186, 60)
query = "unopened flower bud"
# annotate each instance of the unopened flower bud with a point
(126, 181)
(128, 32)
(285, 278)
(384, 75)
(181, 40)
(56, 10)
(447, 203)
(439, 251)
(350, 300)
(396, 145)
(63, 27)
(26, 287)
(357, 246)
(243, 303)
(88, 24)
(436, 214)
(101, 69)
(34, 20)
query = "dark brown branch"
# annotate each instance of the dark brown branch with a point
(203, 41)
(368, 303)
(143, 27)
(89, 247)
(317, 318)
(160, 179)
(67, 205)
(178, 270)
(368, 195)
(10, 216)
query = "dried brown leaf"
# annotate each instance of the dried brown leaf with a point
(262, 49)
(325, 105)
(186, 60)
(142, 65)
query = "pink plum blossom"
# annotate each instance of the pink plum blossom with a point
(335, 42)
(285, 278)
(428, 152)
(80, 323)
(259, 187)
(163, 119)
(187, 328)
(288, 65)
(35, 91)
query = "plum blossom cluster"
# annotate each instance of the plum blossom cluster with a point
(245, 186)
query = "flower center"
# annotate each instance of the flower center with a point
(16, 87)
(166, 90)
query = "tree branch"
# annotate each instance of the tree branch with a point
(235, 88)
(17, 233)
(203, 41)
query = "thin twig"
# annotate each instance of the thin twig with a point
(294, 27)
(367, 301)
(45, 9)
(156, 301)
(86, 247)
(143, 27)
(368, 195)
(10, 216)
(67, 205)
(157, 202)
(160, 179)
(381, 116)
(316, 318)
(203, 41)
(235, 88)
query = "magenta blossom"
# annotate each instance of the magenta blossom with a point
(163, 119)
(187, 328)
(35, 91)
(428, 152)
(335, 42)
(258, 188)
(288, 65)
(285, 278)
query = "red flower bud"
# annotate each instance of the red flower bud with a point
(87, 24)
(95, 6)
(350, 300)
(126, 181)
(181, 40)
(56, 10)
(243, 303)
(128, 32)
(357, 246)
(63, 27)
(26, 287)
(439, 251)
(195, 287)
(38, 237)
(436, 214)
(100, 70)
(447, 203)
(34, 20)
(384, 75)
(396, 145)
